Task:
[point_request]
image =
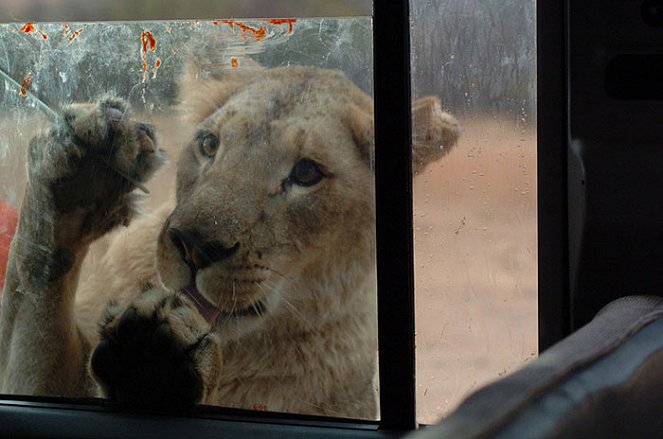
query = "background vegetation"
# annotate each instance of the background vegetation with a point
(94, 10)
(478, 55)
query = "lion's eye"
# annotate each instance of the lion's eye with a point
(306, 173)
(208, 144)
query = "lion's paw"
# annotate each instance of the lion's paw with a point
(157, 354)
(89, 162)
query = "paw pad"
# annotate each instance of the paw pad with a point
(141, 363)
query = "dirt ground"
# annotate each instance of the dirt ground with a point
(475, 264)
(475, 241)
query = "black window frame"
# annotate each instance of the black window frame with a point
(554, 301)
(31, 416)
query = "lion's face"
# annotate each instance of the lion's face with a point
(275, 197)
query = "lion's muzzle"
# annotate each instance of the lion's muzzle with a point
(197, 252)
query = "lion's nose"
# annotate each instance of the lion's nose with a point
(197, 252)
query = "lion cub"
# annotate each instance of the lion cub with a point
(255, 288)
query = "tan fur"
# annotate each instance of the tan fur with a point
(302, 255)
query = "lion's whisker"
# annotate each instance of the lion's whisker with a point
(262, 289)
(193, 297)
(284, 276)
(256, 309)
(294, 310)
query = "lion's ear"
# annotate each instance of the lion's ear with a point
(360, 122)
(434, 132)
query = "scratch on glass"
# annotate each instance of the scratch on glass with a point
(54, 117)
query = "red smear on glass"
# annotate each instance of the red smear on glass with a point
(25, 85)
(75, 34)
(147, 42)
(28, 27)
(258, 33)
(157, 64)
(289, 21)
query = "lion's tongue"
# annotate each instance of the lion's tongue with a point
(206, 309)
